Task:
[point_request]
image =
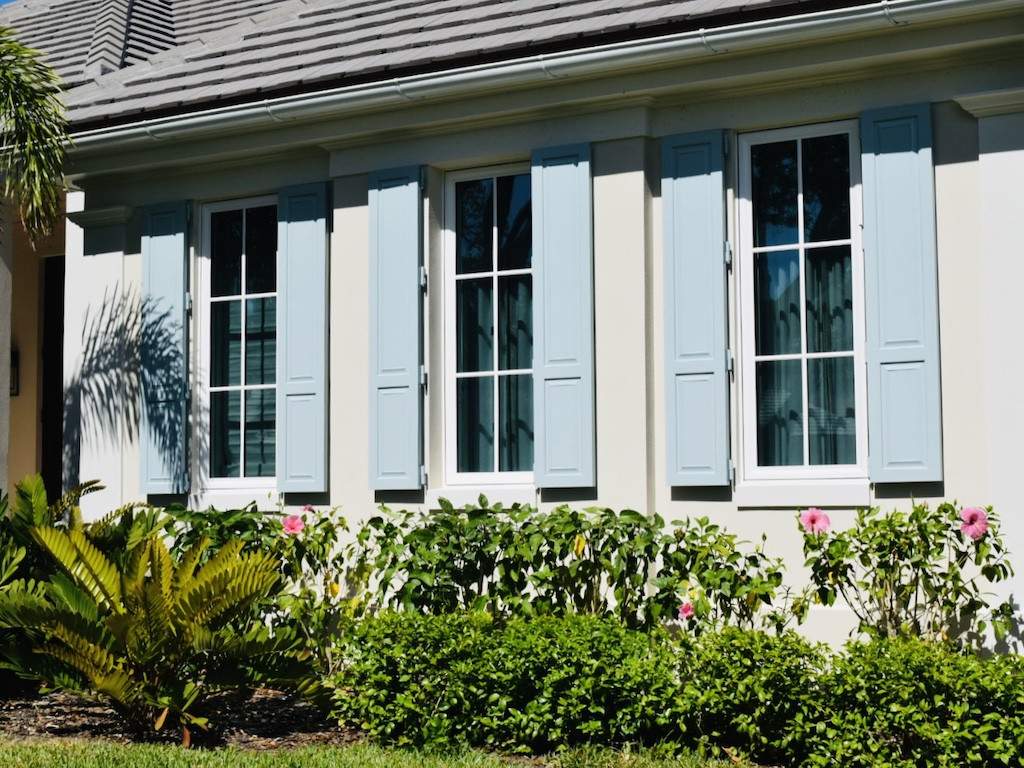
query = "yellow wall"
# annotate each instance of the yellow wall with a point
(26, 336)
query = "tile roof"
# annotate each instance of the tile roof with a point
(82, 39)
(128, 59)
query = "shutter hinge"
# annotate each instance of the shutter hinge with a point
(423, 278)
(423, 178)
(730, 361)
(732, 472)
(423, 476)
(423, 376)
(188, 303)
(727, 254)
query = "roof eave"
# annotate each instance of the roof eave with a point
(537, 69)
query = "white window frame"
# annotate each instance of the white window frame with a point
(452, 476)
(751, 473)
(219, 485)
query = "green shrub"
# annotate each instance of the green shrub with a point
(916, 574)
(522, 561)
(745, 690)
(527, 685)
(906, 703)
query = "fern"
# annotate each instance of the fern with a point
(150, 635)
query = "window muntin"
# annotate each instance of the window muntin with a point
(802, 304)
(489, 337)
(242, 341)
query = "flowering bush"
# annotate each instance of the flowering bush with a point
(921, 574)
(524, 562)
(307, 548)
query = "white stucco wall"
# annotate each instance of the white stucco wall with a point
(979, 205)
(999, 254)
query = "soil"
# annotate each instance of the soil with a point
(267, 720)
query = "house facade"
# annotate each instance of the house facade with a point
(709, 257)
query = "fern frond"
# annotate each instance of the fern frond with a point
(187, 567)
(160, 567)
(85, 563)
(87, 652)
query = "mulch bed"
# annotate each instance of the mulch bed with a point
(267, 720)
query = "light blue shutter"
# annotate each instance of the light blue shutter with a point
(164, 349)
(563, 312)
(396, 336)
(697, 376)
(904, 407)
(302, 339)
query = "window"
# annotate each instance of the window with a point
(489, 328)
(802, 306)
(238, 278)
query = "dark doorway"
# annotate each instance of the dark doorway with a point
(52, 414)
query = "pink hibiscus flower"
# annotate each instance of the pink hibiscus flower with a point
(293, 525)
(975, 522)
(815, 521)
(686, 611)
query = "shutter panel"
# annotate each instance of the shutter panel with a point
(697, 376)
(302, 339)
(396, 336)
(901, 275)
(563, 312)
(164, 349)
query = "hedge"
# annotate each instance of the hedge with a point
(537, 685)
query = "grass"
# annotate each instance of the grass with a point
(99, 755)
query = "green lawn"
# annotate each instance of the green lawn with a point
(102, 755)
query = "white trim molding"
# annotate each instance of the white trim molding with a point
(992, 103)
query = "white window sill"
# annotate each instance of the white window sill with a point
(799, 495)
(266, 498)
(506, 495)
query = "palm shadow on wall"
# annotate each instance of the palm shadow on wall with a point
(112, 396)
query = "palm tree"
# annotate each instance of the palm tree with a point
(33, 136)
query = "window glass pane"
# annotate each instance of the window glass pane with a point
(260, 341)
(832, 424)
(474, 323)
(777, 302)
(515, 225)
(475, 416)
(226, 253)
(260, 431)
(261, 249)
(474, 226)
(225, 433)
(779, 413)
(829, 276)
(225, 343)
(774, 187)
(515, 322)
(515, 423)
(826, 172)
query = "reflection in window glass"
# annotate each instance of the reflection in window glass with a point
(805, 377)
(493, 344)
(243, 342)
(775, 193)
(826, 184)
(474, 226)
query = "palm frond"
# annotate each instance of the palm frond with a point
(33, 135)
